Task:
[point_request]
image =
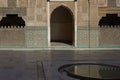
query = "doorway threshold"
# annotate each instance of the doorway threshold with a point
(61, 44)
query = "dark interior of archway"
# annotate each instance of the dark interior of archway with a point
(62, 26)
(110, 20)
(12, 20)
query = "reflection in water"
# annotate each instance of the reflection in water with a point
(92, 71)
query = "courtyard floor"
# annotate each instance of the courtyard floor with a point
(44, 64)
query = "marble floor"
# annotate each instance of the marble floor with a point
(44, 64)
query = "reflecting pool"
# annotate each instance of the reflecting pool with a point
(91, 71)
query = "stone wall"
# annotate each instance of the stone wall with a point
(109, 36)
(36, 36)
(37, 13)
(35, 33)
(87, 23)
(83, 36)
(23, 37)
(34, 13)
(102, 3)
(82, 23)
(13, 37)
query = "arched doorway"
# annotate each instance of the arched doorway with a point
(62, 26)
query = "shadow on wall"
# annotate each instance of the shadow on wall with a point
(110, 20)
(109, 30)
(12, 20)
(13, 33)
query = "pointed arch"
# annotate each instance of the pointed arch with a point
(62, 25)
(65, 8)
